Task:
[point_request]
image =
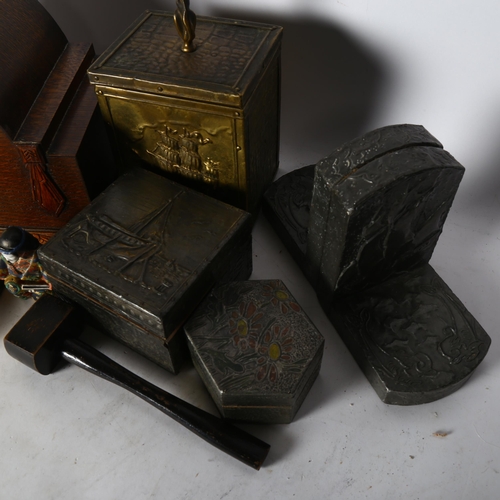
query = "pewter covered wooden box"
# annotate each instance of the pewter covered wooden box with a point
(209, 118)
(256, 350)
(142, 256)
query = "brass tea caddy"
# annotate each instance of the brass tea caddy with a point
(202, 108)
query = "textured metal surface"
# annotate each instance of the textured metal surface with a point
(256, 350)
(413, 338)
(371, 212)
(334, 173)
(354, 154)
(142, 256)
(210, 118)
(376, 213)
(386, 218)
(287, 204)
(223, 68)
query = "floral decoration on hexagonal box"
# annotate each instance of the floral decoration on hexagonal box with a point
(256, 350)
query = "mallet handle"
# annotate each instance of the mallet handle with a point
(228, 438)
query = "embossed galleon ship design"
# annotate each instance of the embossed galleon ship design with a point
(178, 154)
(135, 254)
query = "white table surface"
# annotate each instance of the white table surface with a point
(348, 66)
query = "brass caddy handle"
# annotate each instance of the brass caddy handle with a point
(185, 22)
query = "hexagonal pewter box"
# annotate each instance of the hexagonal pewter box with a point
(256, 350)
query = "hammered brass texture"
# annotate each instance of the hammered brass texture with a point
(176, 138)
(228, 55)
(210, 118)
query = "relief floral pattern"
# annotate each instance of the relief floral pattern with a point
(252, 338)
(280, 297)
(275, 347)
(414, 333)
(244, 326)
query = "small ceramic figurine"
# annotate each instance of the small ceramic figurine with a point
(20, 269)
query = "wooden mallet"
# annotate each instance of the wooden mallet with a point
(47, 333)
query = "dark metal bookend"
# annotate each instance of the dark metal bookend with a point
(413, 338)
(46, 333)
(362, 224)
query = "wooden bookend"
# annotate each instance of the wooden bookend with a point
(54, 155)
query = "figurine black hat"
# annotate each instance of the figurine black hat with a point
(12, 239)
(15, 238)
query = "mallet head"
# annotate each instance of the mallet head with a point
(36, 338)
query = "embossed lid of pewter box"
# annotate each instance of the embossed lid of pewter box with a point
(144, 247)
(223, 69)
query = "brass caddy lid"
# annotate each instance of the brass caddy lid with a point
(228, 59)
